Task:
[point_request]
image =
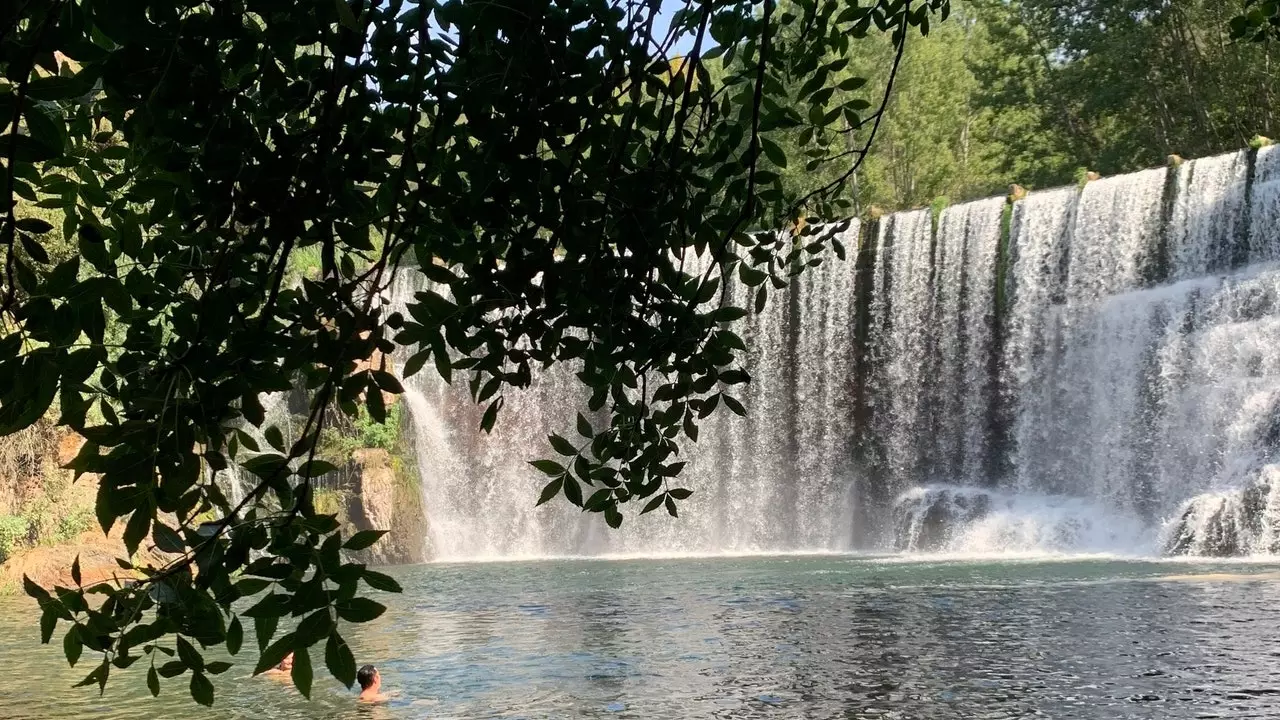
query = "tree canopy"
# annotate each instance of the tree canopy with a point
(1033, 91)
(544, 163)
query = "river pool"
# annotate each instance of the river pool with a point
(779, 637)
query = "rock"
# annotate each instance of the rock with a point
(381, 501)
(372, 506)
(68, 447)
(1229, 523)
(51, 565)
(926, 520)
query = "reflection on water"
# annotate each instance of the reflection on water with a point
(784, 637)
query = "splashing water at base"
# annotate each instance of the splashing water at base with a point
(977, 521)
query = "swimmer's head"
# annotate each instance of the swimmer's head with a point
(368, 677)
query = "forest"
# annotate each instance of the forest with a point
(1035, 91)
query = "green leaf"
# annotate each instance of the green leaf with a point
(136, 529)
(572, 490)
(97, 677)
(217, 667)
(264, 627)
(548, 467)
(551, 490)
(359, 610)
(313, 628)
(345, 16)
(851, 84)
(415, 363)
(166, 539)
(773, 152)
(491, 415)
(301, 672)
(612, 516)
(562, 446)
(728, 314)
(75, 571)
(153, 681)
(71, 645)
(388, 382)
(189, 655)
(266, 465)
(251, 586)
(339, 660)
(379, 581)
(584, 427)
(173, 669)
(56, 87)
(653, 504)
(48, 623)
(94, 249)
(235, 636)
(316, 468)
(34, 225)
(364, 539)
(201, 689)
(274, 437)
(734, 405)
(38, 593)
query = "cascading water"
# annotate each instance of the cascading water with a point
(1089, 369)
(1208, 215)
(779, 479)
(1139, 387)
(900, 344)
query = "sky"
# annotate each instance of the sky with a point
(669, 7)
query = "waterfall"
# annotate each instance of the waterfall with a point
(1086, 369)
(779, 479)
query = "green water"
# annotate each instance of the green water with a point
(785, 637)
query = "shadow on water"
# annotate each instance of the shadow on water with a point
(761, 637)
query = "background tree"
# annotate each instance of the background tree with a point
(1028, 91)
(539, 161)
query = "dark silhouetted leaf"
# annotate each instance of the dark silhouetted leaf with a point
(364, 539)
(339, 660)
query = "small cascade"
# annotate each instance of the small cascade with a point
(233, 480)
(1040, 234)
(901, 309)
(1208, 220)
(1264, 206)
(967, 252)
(933, 334)
(479, 489)
(1115, 236)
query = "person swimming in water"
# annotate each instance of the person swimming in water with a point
(285, 667)
(370, 683)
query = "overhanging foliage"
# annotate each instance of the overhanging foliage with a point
(541, 160)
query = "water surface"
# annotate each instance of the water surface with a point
(779, 637)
